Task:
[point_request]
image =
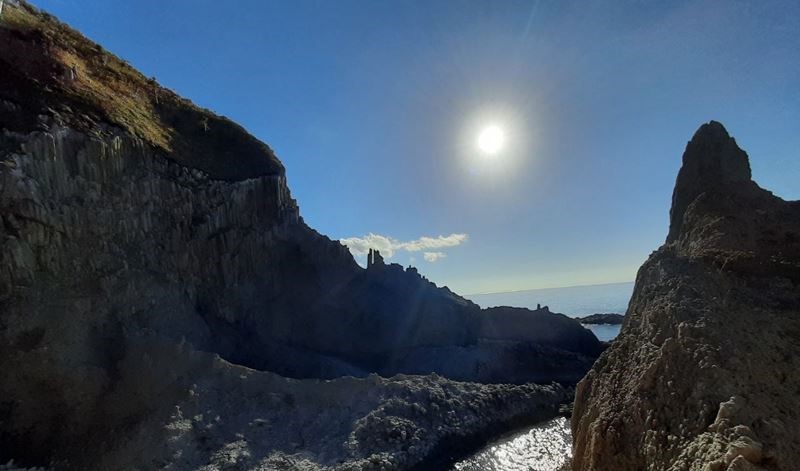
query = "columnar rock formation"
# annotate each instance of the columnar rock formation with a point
(375, 259)
(704, 373)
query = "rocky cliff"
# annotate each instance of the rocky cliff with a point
(142, 235)
(703, 373)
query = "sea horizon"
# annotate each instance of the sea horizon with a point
(573, 301)
(548, 288)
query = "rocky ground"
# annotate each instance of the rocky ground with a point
(212, 415)
(10, 466)
(703, 374)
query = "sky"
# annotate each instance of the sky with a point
(375, 109)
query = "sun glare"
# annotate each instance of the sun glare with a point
(491, 140)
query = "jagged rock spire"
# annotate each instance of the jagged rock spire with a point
(712, 160)
(374, 258)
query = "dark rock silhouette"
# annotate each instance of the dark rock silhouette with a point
(153, 260)
(541, 327)
(375, 259)
(711, 162)
(703, 373)
(613, 319)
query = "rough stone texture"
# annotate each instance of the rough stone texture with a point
(222, 416)
(212, 415)
(703, 374)
(10, 466)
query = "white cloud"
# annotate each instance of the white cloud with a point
(361, 245)
(388, 245)
(433, 257)
(434, 242)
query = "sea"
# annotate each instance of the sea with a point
(574, 301)
(546, 446)
(543, 447)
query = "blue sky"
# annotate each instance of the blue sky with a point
(375, 108)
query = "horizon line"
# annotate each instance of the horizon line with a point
(552, 287)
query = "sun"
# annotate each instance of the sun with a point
(491, 140)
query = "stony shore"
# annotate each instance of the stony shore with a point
(231, 417)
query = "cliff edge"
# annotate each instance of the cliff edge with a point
(51, 70)
(703, 373)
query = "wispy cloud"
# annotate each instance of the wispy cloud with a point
(424, 243)
(433, 257)
(361, 245)
(389, 246)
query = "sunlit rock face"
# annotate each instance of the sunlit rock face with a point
(703, 374)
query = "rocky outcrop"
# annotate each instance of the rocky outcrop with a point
(210, 414)
(541, 327)
(702, 375)
(152, 259)
(712, 162)
(613, 319)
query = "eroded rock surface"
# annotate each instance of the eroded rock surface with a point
(213, 416)
(703, 374)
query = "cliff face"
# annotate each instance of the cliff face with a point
(703, 374)
(177, 213)
(106, 235)
(141, 235)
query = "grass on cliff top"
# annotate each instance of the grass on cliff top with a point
(102, 78)
(80, 73)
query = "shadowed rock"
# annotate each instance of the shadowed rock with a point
(711, 162)
(613, 319)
